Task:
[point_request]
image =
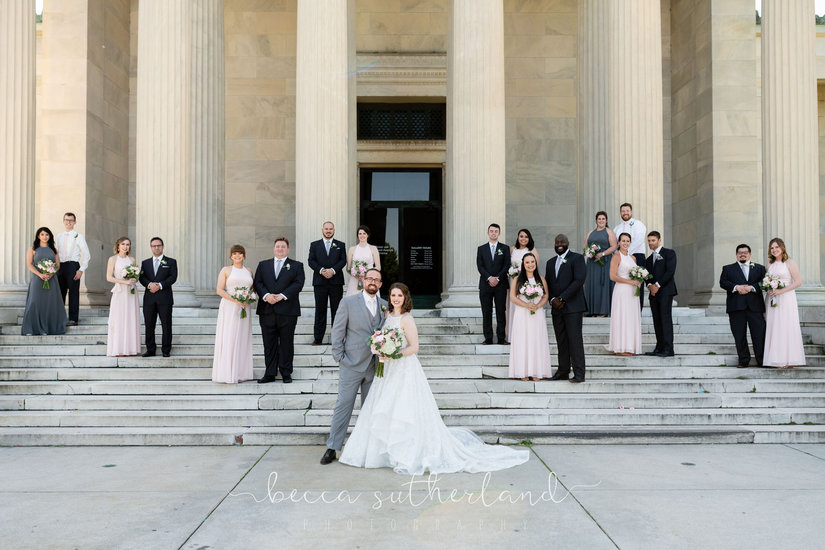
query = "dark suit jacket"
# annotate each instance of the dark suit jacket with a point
(318, 260)
(663, 272)
(569, 285)
(167, 275)
(289, 283)
(732, 276)
(488, 267)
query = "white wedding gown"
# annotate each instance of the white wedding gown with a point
(399, 427)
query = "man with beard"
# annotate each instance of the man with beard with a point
(565, 276)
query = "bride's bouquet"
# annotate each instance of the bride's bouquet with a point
(590, 252)
(130, 272)
(531, 293)
(244, 295)
(514, 270)
(771, 282)
(48, 267)
(359, 270)
(638, 273)
(386, 342)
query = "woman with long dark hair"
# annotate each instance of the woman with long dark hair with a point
(529, 344)
(45, 312)
(524, 244)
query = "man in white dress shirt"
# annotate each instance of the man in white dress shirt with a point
(638, 239)
(74, 259)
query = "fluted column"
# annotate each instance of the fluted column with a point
(475, 141)
(324, 132)
(207, 148)
(163, 136)
(790, 162)
(17, 134)
(620, 114)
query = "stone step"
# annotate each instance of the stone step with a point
(330, 386)
(445, 401)
(317, 436)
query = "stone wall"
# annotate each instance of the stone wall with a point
(260, 124)
(540, 71)
(403, 26)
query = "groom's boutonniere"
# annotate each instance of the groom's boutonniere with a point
(333, 245)
(287, 267)
(163, 262)
(564, 260)
(384, 309)
(657, 256)
(498, 252)
(751, 264)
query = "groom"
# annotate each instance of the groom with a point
(158, 274)
(357, 318)
(662, 287)
(744, 304)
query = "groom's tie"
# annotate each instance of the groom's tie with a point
(157, 263)
(326, 245)
(371, 303)
(744, 270)
(278, 267)
(558, 265)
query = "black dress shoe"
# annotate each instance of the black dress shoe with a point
(503, 343)
(148, 354)
(287, 379)
(166, 354)
(317, 343)
(666, 354)
(560, 376)
(654, 352)
(486, 342)
(71, 323)
(266, 380)
(742, 366)
(328, 457)
(577, 380)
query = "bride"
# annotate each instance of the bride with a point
(399, 425)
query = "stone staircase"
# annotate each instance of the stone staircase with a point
(63, 390)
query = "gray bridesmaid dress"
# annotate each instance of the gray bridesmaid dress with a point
(597, 284)
(45, 312)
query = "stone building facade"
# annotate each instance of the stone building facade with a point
(212, 122)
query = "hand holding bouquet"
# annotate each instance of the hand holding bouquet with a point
(531, 293)
(771, 282)
(130, 272)
(590, 252)
(245, 295)
(359, 270)
(47, 267)
(638, 273)
(514, 270)
(386, 343)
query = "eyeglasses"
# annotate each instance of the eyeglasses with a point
(372, 280)
(156, 245)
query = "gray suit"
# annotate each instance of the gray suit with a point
(353, 325)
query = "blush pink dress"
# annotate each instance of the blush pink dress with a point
(626, 315)
(363, 253)
(529, 344)
(233, 336)
(124, 316)
(783, 336)
(515, 257)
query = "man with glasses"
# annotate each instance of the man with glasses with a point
(158, 274)
(745, 305)
(358, 317)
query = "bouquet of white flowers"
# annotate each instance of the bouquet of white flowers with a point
(130, 272)
(244, 295)
(48, 267)
(514, 270)
(359, 270)
(387, 343)
(771, 282)
(638, 273)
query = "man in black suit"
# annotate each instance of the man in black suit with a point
(158, 274)
(744, 304)
(278, 283)
(565, 276)
(492, 260)
(327, 260)
(661, 264)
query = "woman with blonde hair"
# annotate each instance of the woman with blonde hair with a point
(783, 336)
(123, 338)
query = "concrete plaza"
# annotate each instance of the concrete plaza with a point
(566, 496)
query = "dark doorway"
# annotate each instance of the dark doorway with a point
(402, 207)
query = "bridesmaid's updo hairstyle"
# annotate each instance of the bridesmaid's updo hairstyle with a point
(363, 228)
(50, 244)
(601, 213)
(629, 238)
(781, 244)
(120, 240)
(530, 243)
(407, 305)
(237, 248)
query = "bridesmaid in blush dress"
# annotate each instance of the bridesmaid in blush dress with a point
(364, 252)
(233, 336)
(123, 337)
(783, 336)
(524, 244)
(529, 345)
(626, 316)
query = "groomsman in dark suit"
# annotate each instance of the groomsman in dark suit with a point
(278, 282)
(327, 260)
(745, 305)
(662, 287)
(492, 260)
(565, 276)
(158, 274)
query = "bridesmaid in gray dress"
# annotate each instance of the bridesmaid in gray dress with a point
(45, 312)
(597, 285)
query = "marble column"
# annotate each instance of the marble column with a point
(163, 166)
(790, 158)
(17, 146)
(207, 148)
(324, 127)
(620, 113)
(475, 167)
